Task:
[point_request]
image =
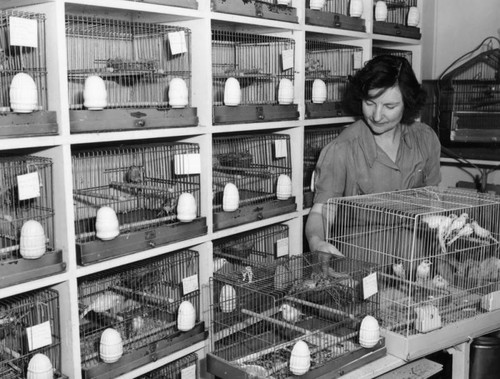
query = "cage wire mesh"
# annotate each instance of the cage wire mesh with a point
(252, 163)
(259, 327)
(141, 183)
(407, 54)
(26, 193)
(21, 316)
(175, 369)
(397, 10)
(140, 301)
(136, 60)
(436, 249)
(332, 63)
(255, 60)
(16, 57)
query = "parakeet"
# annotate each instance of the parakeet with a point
(457, 224)
(290, 314)
(439, 282)
(219, 263)
(106, 301)
(424, 269)
(482, 232)
(399, 270)
(466, 231)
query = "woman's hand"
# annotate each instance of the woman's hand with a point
(328, 248)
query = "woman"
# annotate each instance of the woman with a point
(385, 150)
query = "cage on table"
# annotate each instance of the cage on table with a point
(27, 235)
(279, 10)
(256, 328)
(342, 14)
(438, 259)
(328, 66)
(141, 303)
(137, 74)
(23, 76)
(407, 54)
(251, 178)
(30, 337)
(247, 73)
(396, 21)
(126, 198)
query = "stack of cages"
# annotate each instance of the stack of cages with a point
(315, 139)
(438, 258)
(136, 74)
(138, 313)
(278, 10)
(27, 236)
(185, 367)
(132, 198)
(23, 76)
(192, 4)
(407, 54)
(306, 322)
(400, 18)
(252, 178)
(30, 338)
(342, 14)
(327, 70)
(253, 77)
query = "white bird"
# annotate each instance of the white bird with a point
(466, 231)
(457, 224)
(106, 301)
(399, 270)
(423, 270)
(439, 282)
(219, 263)
(290, 314)
(482, 232)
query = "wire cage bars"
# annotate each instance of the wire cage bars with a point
(251, 327)
(437, 253)
(138, 63)
(315, 138)
(246, 172)
(396, 21)
(335, 13)
(140, 303)
(176, 370)
(134, 190)
(30, 335)
(279, 10)
(407, 54)
(247, 70)
(327, 68)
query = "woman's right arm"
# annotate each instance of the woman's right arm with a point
(315, 230)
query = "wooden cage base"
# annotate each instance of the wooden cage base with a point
(398, 30)
(147, 354)
(108, 120)
(256, 8)
(255, 113)
(334, 20)
(38, 123)
(329, 109)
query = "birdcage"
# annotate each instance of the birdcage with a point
(193, 4)
(256, 330)
(279, 10)
(251, 178)
(328, 66)
(315, 138)
(23, 76)
(27, 248)
(185, 367)
(437, 252)
(394, 20)
(126, 311)
(131, 198)
(30, 338)
(137, 74)
(336, 14)
(407, 54)
(249, 71)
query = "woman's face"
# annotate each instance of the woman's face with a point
(384, 112)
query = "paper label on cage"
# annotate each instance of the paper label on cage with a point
(177, 42)
(190, 284)
(189, 372)
(28, 186)
(39, 335)
(282, 247)
(357, 60)
(280, 150)
(187, 164)
(370, 287)
(287, 59)
(23, 32)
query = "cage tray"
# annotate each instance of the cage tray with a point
(107, 120)
(255, 113)
(393, 29)
(139, 240)
(256, 8)
(335, 20)
(147, 354)
(193, 4)
(334, 368)
(253, 212)
(24, 270)
(324, 110)
(30, 124)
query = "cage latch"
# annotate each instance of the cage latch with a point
(260, 113)
(152, 352)
(258, 10)
(336, 21)
(398, 30)
(140, 123)
(149, 236)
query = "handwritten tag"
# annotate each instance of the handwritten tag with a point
(370, 286)
(190, 284)
(189, 372)
(282, 247)
(178, 43)
(287, 59)
(28, 186)
(186, 164)
(280, 148)
(23, 32)
(39, 335)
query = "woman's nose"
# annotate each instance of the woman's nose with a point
(377, 114)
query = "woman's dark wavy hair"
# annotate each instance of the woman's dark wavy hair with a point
(383, 72)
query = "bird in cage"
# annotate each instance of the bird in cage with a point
(290, 313)
(399, 270)
(219, 263)
(465, 231)
(456, 225)
(168, 206)
(107, 301)
(135, 175)
(439, 282)
(424, 270)
(482, 232)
